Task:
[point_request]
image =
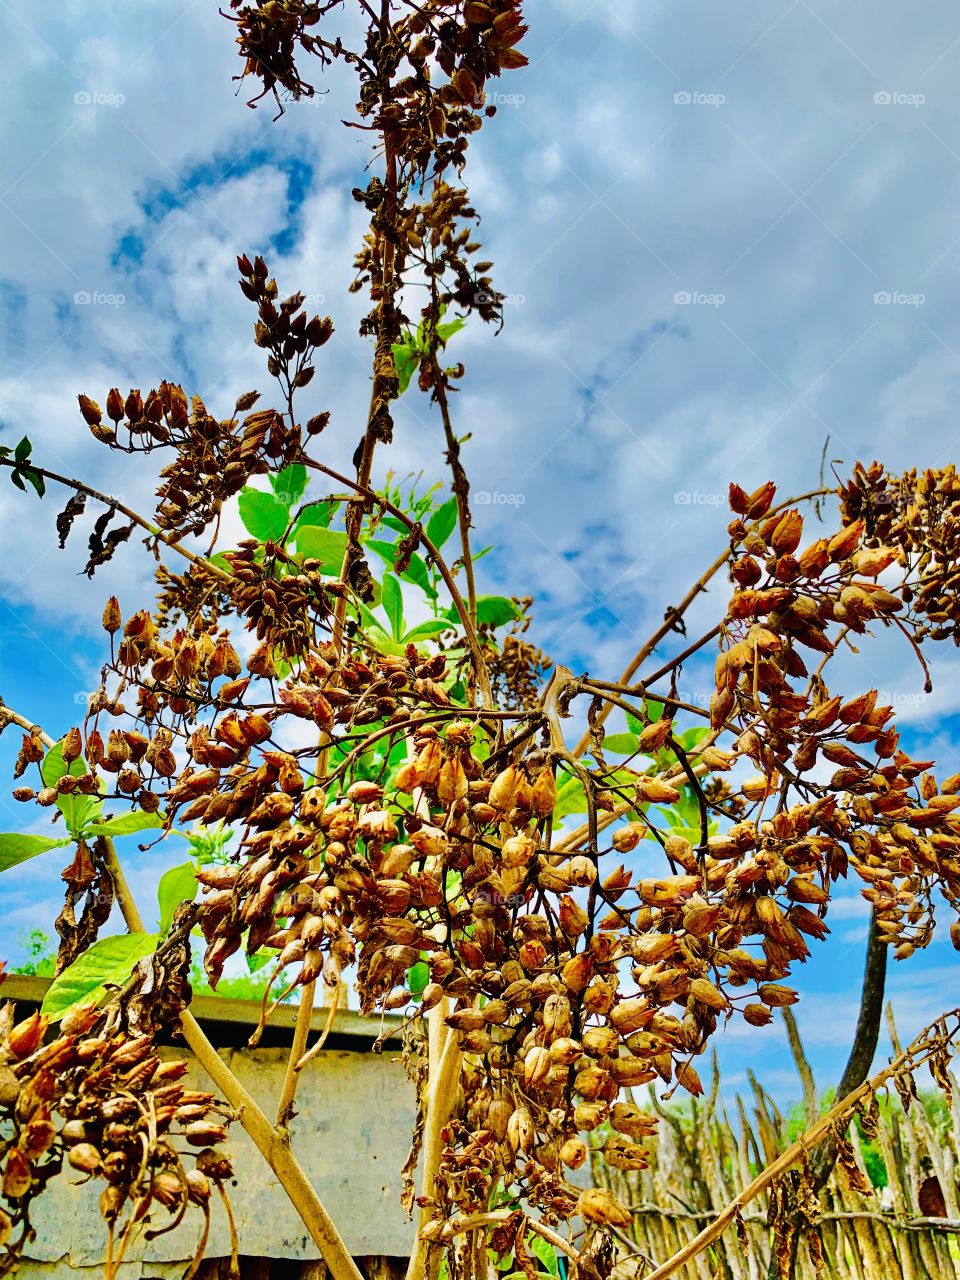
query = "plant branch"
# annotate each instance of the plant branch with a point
(904, 1063)
(270, 1144)
(107, 501)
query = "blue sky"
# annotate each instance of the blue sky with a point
(725, 234)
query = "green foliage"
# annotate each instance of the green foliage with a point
(264, 515)
(22, 471)
(16, 848)
(41, 958)
(178, 884)
(107, 963)
(408, 354)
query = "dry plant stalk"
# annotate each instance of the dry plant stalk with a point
(420, 841)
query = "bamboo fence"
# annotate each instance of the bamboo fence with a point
(704, 1155)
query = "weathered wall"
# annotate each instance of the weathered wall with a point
(352, 1135)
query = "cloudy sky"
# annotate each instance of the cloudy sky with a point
(727, 234)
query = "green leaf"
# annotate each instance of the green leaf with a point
(654, 709)
(16, 848)
(418, 976)
(35, 479)
(633, 724)
(426, 630)
(419, 575)
(405, 361)
(23, 450)
(496, 611)
(391, 522)
(108, 962)
(263, 515)
(387, 551)
(446, 331)
(442, 523)
(77, 810)
(318, 514)
(329, 546)
(545, 1252)
(393, 604)
(53, 767)
(621, 744)
(290, 483)
(126, 824)
(571, 798)
(177, 885)
(259, 959)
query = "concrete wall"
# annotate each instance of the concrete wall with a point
(352, 1135)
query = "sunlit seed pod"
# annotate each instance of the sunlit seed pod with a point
(505, 789)
(198, 1187)
(573, 918)
(620, 1153)
(705, 993)
(431, 996)
(536, 1066)
(496, 1012)
(364, 792)
(631, 1015)
(429, 842)
(377, 824)
(85, 1158)
(6, 1228)
(532, 955)
(627, 1073)
(588, 1116)
(627, 1118)
(777, 996)
(577, 971)
(550, 878)
(543, 794)
(565, 1051)
(757, 1015)
(518, 851)
(521, 1131)
(688, 1079)
(466, 1020)
(628, 837)
(573, 1153)
(594, 1083)
(9, 1086)
(37, 1138)
(517, 995)
(599, 1042)
(603, 1208)
(656, 791)
(168, 1189)
(204, 1133)
(581, 871)
(599, 997)
(24, 1039)
(452, 782)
